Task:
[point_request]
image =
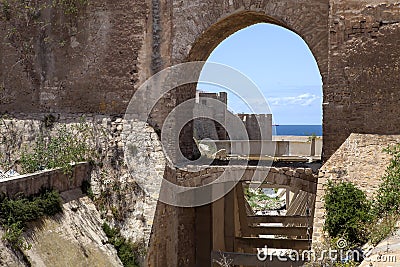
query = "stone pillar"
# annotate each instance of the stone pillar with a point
(319, 212)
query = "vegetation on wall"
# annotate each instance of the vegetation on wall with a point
(55, 144)
(350, 215)
(87, 189)
(8, 136)
(312, 137)
(387, 201)
(382, 227)
(347, 212)
(127, 251)
(59, 151)
(332, 244)
(15, 9)
(16, 213)
(386, 204)
(58, 145)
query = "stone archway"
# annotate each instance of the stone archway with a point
(213, 36)
(196, 44)
(199, 46)
(192, 30)
(200, 50)
(195, 33)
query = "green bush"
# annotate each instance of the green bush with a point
(13, 235)
(15, 213)
(126, 250)
(382, 228)
(66, 147)
(347, 212)
(387, 200)
(386, 208)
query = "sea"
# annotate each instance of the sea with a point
(297, 130)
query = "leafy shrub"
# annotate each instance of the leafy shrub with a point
(350, 215)
(126, 250)
(382, 228)
(13, 235)
(66, 147)
(386, 204)
(387, 200)
(14, 214)
(347, 212)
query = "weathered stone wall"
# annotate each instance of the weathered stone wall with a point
(121, 189)
(204, 111)
(258, 126)
(31, 184)
(94, 61)
(361, 92)
(360, 160)
(88, 62)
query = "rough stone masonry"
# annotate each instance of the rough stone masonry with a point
(93, 60)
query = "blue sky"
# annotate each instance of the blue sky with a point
(280, 63)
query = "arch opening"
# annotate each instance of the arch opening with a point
(283, 67)
(295, 103)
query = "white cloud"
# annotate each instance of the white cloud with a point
(302, 100)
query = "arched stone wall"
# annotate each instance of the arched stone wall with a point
(196, 29)
(190, 31)
(196, 34)
(95, 64)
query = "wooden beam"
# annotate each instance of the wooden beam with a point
(229, 221)
(218, 224)
(243, 222)
(256, 242)
(293, 198)
(295, 206)
(236, 217)
(203, 235)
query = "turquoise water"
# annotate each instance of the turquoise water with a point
(297, 130)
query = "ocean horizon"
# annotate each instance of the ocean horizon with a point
(297, 130)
